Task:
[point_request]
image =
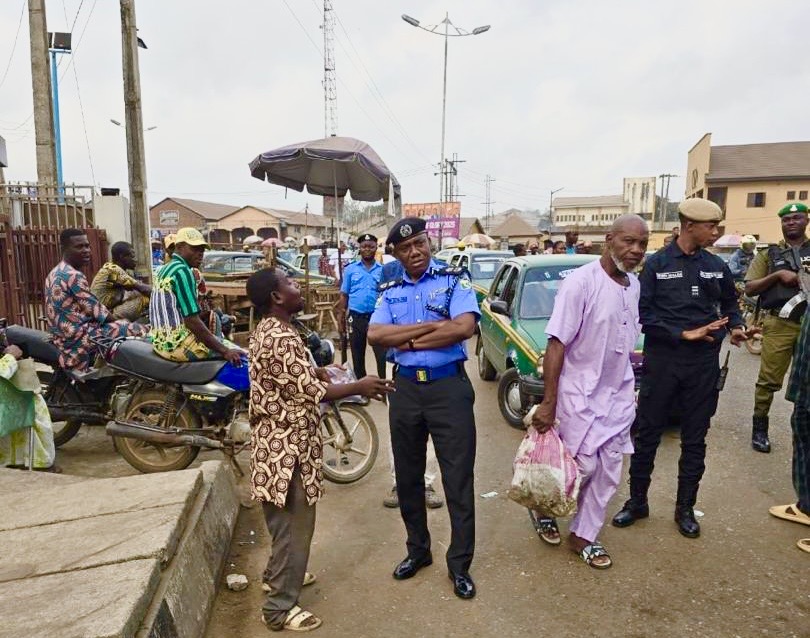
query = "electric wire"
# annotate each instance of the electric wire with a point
(14, 45)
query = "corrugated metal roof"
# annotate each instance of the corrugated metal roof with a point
(207, 210)
(589, 202)
(514, 226)
(759, 161)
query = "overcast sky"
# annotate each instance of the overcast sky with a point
(559, 93)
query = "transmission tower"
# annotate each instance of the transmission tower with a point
(330, 121)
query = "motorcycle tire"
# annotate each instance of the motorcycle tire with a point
(63, 431)
(147, 457)
(344, 463)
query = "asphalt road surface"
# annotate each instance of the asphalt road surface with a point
(743, 577)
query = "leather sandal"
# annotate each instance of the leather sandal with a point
(593, 551)
(546, 528)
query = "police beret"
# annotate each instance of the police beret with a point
(792, 208)
(405, 228)
(700, 210)
(366, 237)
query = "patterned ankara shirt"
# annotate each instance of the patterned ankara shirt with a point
(174, 297)
(110, 283)
(284, 414)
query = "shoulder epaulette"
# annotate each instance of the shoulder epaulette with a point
(455, 271)
(389, 284)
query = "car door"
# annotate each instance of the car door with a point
(493, 335)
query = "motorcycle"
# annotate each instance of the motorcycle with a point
(749, 309)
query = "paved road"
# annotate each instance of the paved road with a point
(743, 577)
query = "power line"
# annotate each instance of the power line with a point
(13, 46)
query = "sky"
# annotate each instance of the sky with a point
(558, 94)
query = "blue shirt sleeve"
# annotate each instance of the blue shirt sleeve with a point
(344, 284)
(463, 299)
(382, 312)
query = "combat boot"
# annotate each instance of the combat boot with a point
(759, 435)
(685, 513)
(635, 507)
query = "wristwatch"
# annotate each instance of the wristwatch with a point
(410, 344)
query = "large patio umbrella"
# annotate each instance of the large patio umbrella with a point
(478, 239)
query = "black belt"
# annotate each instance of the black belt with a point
(360, 314)
(428, 375)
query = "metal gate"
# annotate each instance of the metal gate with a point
(30, 224)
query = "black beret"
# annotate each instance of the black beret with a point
(366, 237)
(405, 228)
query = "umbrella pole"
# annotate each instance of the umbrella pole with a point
(344, 337)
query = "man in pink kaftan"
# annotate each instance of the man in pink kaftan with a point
(589, 382)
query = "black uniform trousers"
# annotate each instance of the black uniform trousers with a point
(358, 337)
(442, 409)
(680, 379)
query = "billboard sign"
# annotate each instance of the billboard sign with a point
(432, 209)
(443, 227)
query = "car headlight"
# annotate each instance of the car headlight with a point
(539, 368)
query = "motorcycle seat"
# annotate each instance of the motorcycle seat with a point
(34, 343)
(138, 357)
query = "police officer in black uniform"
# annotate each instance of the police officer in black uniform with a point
(425, 316)
(688, 303)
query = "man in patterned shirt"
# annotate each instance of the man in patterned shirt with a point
(124, 296)
(286, 461)
(74, 313)
(178, 333)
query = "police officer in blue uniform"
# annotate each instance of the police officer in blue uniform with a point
(358, 295)
(688, 303)
(426, 316)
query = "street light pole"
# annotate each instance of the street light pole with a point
(458, 33)
(551, 202)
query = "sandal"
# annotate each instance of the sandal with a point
(804, 545)
(309, 578)
(790, 513)
(296, 620)
(591, 552)
(546, 528)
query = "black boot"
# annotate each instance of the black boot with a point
(684, 512)
(635, 507)
(759, 435)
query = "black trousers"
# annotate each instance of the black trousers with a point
(358, 337)
(683, 381)
(442, 409)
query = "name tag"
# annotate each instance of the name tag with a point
(711, 275)
(675, 274)
(396, 299)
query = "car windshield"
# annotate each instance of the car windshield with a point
(228, 264)
(539, 290)
(483, 269)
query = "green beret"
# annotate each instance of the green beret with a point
(796, 207)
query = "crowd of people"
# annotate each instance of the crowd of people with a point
(417, 313)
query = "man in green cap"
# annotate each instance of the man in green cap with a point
(773, 275)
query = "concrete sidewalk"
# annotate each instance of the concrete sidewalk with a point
(138, 556)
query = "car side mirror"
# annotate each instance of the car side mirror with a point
(499, 307)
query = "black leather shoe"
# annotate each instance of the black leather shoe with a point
(631, 511)
(760, 441)
(409, 567)
(463, 585)
(685, 518)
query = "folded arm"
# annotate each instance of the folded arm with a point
(446, 333)
(391, 336)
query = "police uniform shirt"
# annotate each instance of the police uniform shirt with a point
(682, 292)
(360, 284)
(440, 293)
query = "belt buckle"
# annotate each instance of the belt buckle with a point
(422, 375)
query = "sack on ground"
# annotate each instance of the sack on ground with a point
(545, 475)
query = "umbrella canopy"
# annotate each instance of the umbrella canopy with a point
(252, 239)
(728, 241)
(272, 241)
(310, 240)
(478, 239)
(330, 166)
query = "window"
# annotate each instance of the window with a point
(501, 282)
(791, 195)
(756, 200)
(802, 195)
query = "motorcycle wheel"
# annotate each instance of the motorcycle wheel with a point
(343, 462)
(754, 344)
(148, 457)
(63, 431)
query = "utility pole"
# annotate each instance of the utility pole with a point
(488, 214)
(664, 198)
(451, 173)
(136, 165)
(330, 120)
(43, 101)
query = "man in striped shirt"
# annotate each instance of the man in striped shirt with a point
(178, 333)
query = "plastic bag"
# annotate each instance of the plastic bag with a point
(546, 478)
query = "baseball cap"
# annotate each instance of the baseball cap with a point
(168, 240)
(190, 236)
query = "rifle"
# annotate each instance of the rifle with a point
(803, 295)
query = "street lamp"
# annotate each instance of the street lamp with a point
(458, 33)
(551, 202)
(58, 43)
(117, 123)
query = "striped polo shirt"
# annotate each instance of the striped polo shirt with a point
(174, 297)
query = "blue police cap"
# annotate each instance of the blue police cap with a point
(405, 228)
(366, 237)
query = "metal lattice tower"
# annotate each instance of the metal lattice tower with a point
(330, 119)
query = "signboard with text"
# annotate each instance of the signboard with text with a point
(169, 217)
(443, 227)
(432, 209)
